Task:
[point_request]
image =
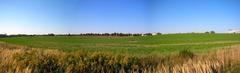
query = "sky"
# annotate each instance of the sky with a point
(127, 16)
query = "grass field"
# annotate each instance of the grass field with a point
(137, 45)
(169, 53)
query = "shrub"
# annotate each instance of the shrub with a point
(186, 54)
(54, 61)
(212, 32)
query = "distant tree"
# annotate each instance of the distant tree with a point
(68, 34)
(207, 32)
(3, 35)
(148, 34)
(114, 34)
(159, 33)
(21, 35)
(137, 34)
(51, 34)
(106, 34)
(212, 32)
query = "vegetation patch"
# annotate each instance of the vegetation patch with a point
(135, 45)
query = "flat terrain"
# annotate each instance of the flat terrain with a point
(140, 54)
(137, 45)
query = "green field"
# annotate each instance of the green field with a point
(137, 45)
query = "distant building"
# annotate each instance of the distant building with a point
(156, 33)
(234, 31)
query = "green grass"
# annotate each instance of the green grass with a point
(138, 45)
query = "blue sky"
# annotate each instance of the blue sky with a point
(134, 16)
(171, 16)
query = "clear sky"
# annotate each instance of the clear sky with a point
(133, 16)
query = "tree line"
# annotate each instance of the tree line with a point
(84, 34)
(91, 34)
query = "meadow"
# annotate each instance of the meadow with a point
(135, 45)
(168, 53)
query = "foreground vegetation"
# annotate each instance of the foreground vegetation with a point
(186, 53)
(19, 59)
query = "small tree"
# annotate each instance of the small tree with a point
(212, 32)
(3, 35)
(148, 34)
(51, 34)
(207, 32)
(159, 33)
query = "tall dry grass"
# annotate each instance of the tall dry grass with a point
(20, 59)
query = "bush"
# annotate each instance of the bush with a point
(212, 32)
(186, 54)
(55, 61)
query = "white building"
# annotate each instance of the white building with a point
(234, 31)
(154, 33)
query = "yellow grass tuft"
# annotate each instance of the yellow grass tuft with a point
(32, 60)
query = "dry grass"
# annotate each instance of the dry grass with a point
(18, 59)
